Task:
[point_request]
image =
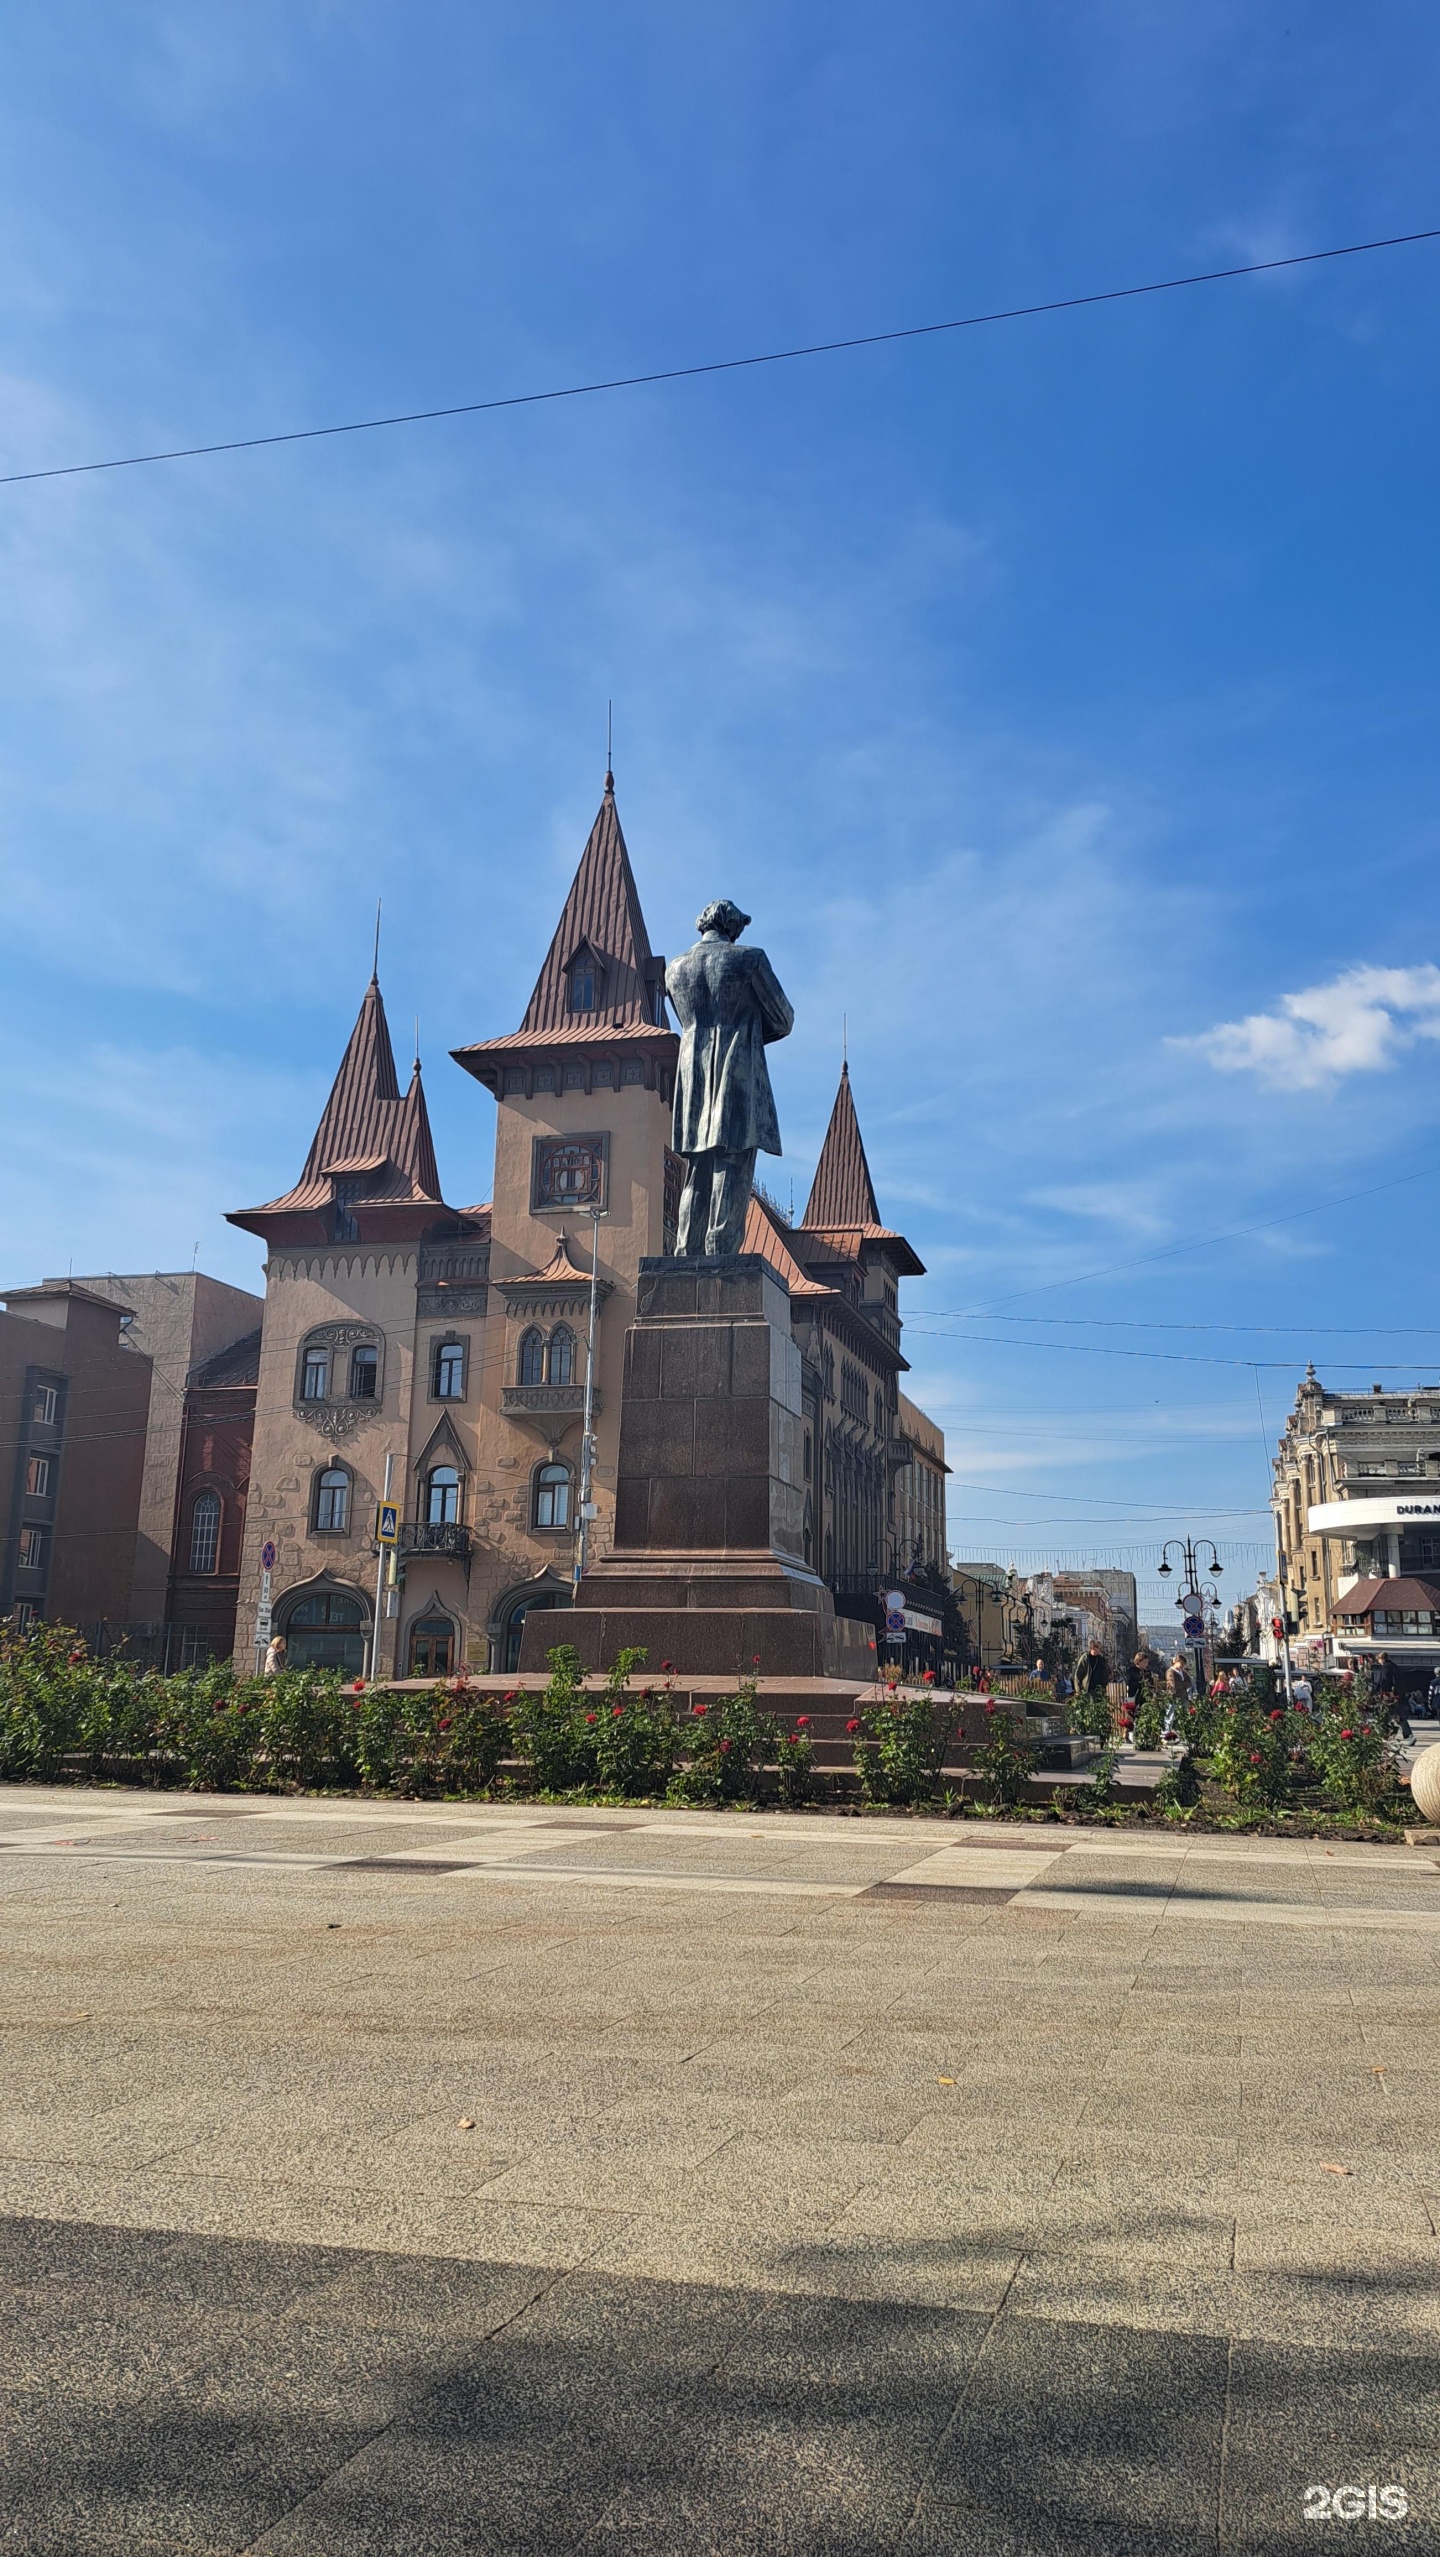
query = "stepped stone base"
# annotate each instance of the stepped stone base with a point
(708, 1569)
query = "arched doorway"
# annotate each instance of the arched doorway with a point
(432, 1647)
(326, 1630)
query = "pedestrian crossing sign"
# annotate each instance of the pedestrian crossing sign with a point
(387, 1523)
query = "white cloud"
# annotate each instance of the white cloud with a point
(1357, 1024)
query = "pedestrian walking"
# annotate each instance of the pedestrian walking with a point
(274, 1655)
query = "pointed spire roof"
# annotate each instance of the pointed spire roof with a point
(602, 921)
(371, 1136)
(842, 1192)
(602, 916)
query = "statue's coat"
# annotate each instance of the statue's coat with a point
(730, 1005)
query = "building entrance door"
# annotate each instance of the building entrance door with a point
(432, 1647)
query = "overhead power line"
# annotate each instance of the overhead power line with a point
(719, 364)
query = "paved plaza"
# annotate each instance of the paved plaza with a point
(384, 2177)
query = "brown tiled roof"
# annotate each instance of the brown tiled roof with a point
(842, 1192)
(602, 914)
(237, 1365)
(764, 1234)
(369, 1130)
(1394, 1596)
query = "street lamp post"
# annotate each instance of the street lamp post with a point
(1190, 1549)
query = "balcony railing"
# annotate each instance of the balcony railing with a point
(421, 1536)
(567, 1400)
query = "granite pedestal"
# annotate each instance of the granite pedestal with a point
(708, 1568)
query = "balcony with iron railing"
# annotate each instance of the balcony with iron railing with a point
(435, 1536)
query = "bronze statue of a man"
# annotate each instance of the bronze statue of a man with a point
(730, 1006)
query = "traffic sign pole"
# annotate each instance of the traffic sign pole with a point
(383, 1545)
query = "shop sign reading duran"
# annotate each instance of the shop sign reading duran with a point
(1352, 1517)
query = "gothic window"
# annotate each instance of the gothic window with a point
(584, 984)
(532, 1358)
(449, 1371)
(205, 1531)
(332, 1501)
(326, 1632)
(315, 1378)
(442, 1496)
(552, 1496)
(364, 1374)
(562, 1356)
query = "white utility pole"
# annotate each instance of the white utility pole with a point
(587, 1442)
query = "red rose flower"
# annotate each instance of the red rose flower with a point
(1254, 1757)
(724, 1745)
(511, 1697)
(667, 1664)
(800, 1721)
(592, 1717)
(700, 1709)
(359, 1686)
(852, 1726)
(615, 1712)
(1347, 1735)
(444, 1723)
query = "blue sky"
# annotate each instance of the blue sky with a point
(1059, 697)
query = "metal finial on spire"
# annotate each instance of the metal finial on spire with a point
(844, 1042)
(609, 746)
(417, 1042)
(375, 969)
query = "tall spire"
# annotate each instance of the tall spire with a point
(842, 1192)
(372, 1139)
(367, 1078)
(601, 920)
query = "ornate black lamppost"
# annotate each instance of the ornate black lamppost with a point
(1192, 1602)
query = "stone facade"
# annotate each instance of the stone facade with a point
(1376, 1455)
(454, 1341)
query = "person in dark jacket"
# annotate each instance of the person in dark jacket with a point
(1092, 1672)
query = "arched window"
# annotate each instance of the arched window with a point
(584, 984)
(513, 1625)
(325, 1632)
(332, 1502)
(364, 1374)
(432, 1647)
(532, 1358)
(562, 1356)
(449, 1371)
(552, 1496)
(442, 1496)
(205, 1531)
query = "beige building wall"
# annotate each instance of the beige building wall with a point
(920, 1488)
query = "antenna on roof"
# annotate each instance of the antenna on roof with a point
(375, 970)
(609, 745)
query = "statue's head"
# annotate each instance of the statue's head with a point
(721, 916)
